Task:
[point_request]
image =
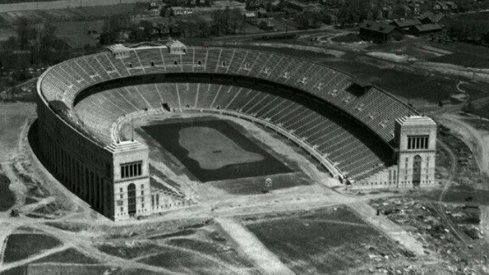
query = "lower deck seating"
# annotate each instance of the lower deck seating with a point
(330, 133)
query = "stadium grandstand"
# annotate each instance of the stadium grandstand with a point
(362, 135)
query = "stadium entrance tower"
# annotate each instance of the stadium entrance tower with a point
(416, 141)
(132, 192)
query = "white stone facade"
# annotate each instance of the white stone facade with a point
(415, 154)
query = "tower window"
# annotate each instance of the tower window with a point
(133, 169)
(418, 142)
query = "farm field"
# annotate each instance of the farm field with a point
(326, 241)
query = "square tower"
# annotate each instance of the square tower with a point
(416, 141)
(131, 188)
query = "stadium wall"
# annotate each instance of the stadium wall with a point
(90, 170)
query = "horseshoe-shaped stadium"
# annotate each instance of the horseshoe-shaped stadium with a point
(364, 136)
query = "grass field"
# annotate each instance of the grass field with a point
(69, 255)
(321, 242)
(74, 14)
(200, 249)
(76, 35)
(464, 54)
(82, 269)
(130, 252)
(13, 116)
(213, 150)
(7, 197)
(21, 246)
(169, 136)
(180, 261)
(407, 85)
(460, 194)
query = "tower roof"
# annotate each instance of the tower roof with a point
(125, 146)
(416, 120)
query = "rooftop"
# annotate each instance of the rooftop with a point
(125, 146)
(415, 120)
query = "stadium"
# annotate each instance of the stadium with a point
(362, 135)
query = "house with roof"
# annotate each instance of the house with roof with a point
(404, 25)
(379, 32)
(426, 29)
(430, 17)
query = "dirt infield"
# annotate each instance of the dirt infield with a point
(197, 159)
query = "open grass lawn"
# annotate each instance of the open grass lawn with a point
(464, 54)
(464, 59)
(482, 111)
(13, 116)
(218, 250)
(78, 269)
(76, 35)
(185, 262)
(7, 197)
(313, 56)
(196, 249)
(322, 242)
(20, 270)
(408, 85)
(235, 155)
(69, 255)
(21, 246)
(129, 252)
(69, 226)
(460, 194)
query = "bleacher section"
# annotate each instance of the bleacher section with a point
(374, 108)
(322, 131)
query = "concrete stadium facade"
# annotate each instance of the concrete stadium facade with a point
(114, 177)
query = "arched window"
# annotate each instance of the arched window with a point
(131, 198)
(417, 170)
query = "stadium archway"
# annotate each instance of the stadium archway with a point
(417, 170)
(131, 198)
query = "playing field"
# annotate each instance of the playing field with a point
(214, 150)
